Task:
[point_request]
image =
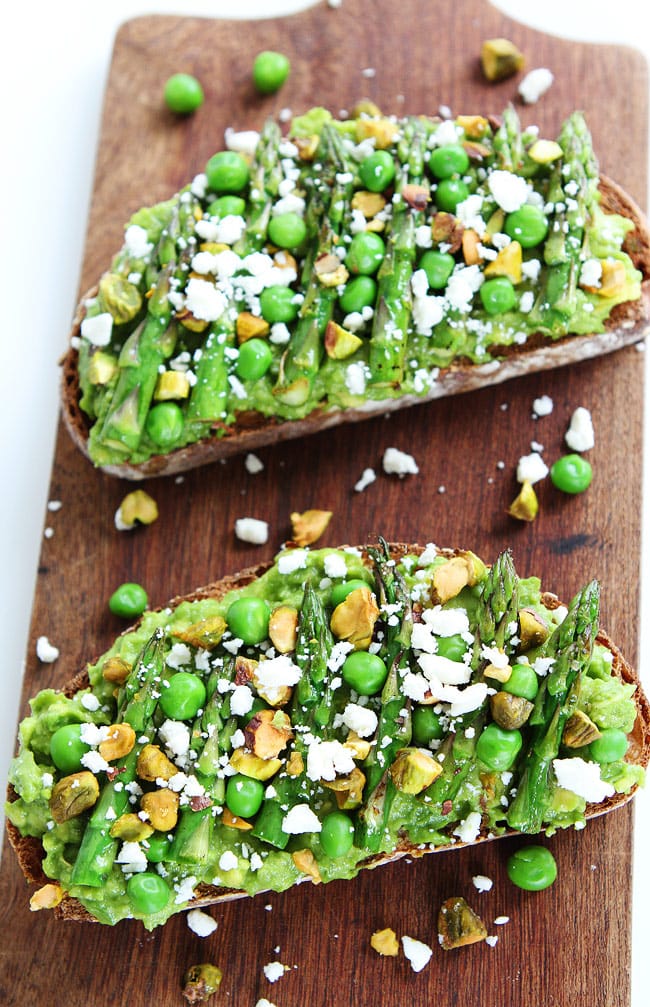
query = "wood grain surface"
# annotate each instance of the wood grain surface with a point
(568, 945)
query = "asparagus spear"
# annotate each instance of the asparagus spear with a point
(327, 212)
(389, 337)
(572, 644)
(138, 702)
(508, 145)
(394, 723)
(209, 398)
(311, 713)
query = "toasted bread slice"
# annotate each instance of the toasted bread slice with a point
(250, 426)
(30, 852)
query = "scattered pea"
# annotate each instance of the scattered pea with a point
(532, 868)
(67, 748)
(453, 647)
(129, 600)
(164, 424)
(157, 847)
(523, 682)
(287, 230)
(183, 93)
(426, 725)
(527, 225)
(498, 295)
(342, 590)
(377, 171)
(248, 619)
(438, 266)
(277, 304)
(571, 474)
(227, 171)
(244, 795)
(337, 834)
(270, 71)
(227, 206)
(610, 747)
(365, 253)
(498, 748)
(364, 672)
(448, 160)
(254, 359)
(147, 892)
(449, 193)
(183, 696)
(359, 293)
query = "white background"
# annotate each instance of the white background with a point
(54, 60)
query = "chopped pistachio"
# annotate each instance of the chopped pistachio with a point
(120, 297)
(47, 897)
(171, 385)
(283, 628)
(579, 730)
(267, 733)
(200, 982)
(510, 711)
(116, 670)
(205, 634)
(306, 863)
(385, 942)
(369, 203)
(339, 343)
(73, 795)
(253, 766)
(459, 925)
(120, 741)
(525, 505)
(235, 822)
(161, 807)
(545, 151)
(414, 770)
(101, 367)
(500, 58)
(250, 326)
(309, 526)
(474, 126)
(348, 790)
(138, 507)
(470, 243)
(382, 131)
(533, 631)
(130, 828)
(507, 263)
(153, 764)
(354, 619)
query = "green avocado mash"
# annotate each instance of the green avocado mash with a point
(352, 262)
(336, 708)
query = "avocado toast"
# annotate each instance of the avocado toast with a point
(334, 710)
(346, 269)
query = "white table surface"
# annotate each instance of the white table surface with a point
(51, 116)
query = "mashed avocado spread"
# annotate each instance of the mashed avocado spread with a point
(335, 708)
(347, 263)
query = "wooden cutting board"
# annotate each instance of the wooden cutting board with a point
(568, 945)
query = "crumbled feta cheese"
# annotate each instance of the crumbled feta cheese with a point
(250, 529)
(423, 639)
(543, 406)
(98, 329)
(200, 923)
(531, 468)
(179, 655)
(185, 890)
(204, 300)
(591, 273)
(399, 463)
(243, 142)
(530, 269)
(300, 819)
(326, 759)
(368, 476)
(446, 133)
(446, 622)
(542, 665)
(132, 858)
(175, 736)
(526, 301)
(417, 952)
(335, 566)
(47, 780)
(500, 920)
(580, 435)
(292, 560)
(228, 861)
(582, 778)
(482, 883)
(241, 701)
(509, 190)
(90, 702)
(253, 464)
(535, 84)
(45, 651)
(92, 735)
(443, 671)
(279, 334)
(360, 719)
(137, 241)
(274, 673)
(491, 941)
(469, 828)
(355, 378)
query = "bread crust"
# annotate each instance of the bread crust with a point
(628, 323)
(30, 853)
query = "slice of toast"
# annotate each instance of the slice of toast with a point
(249, 425)
(29, 849)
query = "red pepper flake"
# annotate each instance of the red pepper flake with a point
(447, 807)
(114, 771)
(200, 803)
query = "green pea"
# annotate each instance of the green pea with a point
(377, 171)
(254, 359)
(359, 293)
(227, 171)
(523, 682)
(450, 159)
(610, 747)
(365, 253)
(453, 647)
(364, 672)
(498, 295)
(147, 893)
(277, 304)
(227, 206)
(129, 600)
(449, 193)
(183, 697)
(337, 834)
(426, 725)
(164, 423)
(244, 795)
(532, 868)
(287, 230)
(183, 93)
(498, 748)
(248, 619)
(270, 70)
(438, 266)
(527, 225)
(342, 590)
(157, 847)
(571, 474)
(67, 748)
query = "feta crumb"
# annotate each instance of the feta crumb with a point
(582, 778)
(482, 883)
(535, 84)
(399, 463)
(228, 861)
(368, 476)
(204, 300)
(509, 190)
(250, 529)
(241, 701)
(591, 273)
(98, 329)
(253, 464)
(543, 406)
(294, 559)
(185, 890)
(417, 953)
(326, 759)
(500, 920)
(274, 971)
(243, 142)
(355, 378)
(202, 924)
(175, 736)
(469, 828)
(46, 652)
(360, 719)
(335, 566)
(90, 702)
(132, 858)
(300, 819)
(532, 468)
(491, 941)
(580, 435)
